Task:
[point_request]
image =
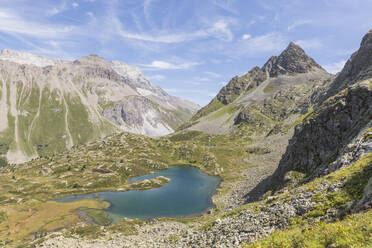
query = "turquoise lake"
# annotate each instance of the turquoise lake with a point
(189, 192)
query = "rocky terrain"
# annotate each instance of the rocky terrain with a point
(291, 143)
(48, 105)
(265, 97)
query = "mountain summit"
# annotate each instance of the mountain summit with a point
(53, 104)
(292, 60)
(357, 68)
(292, 70)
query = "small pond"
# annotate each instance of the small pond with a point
(188, 193)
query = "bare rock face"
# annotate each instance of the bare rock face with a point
(292, 60)
(238, 85)
(319, 140)
(138, 114)
(357, 68)
(342, 113)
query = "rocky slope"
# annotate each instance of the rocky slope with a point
(48, 105)
(265, 97)
(326, 133)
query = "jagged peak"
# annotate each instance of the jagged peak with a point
(292, 60)
(357, 68)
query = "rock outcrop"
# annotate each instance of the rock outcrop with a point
(239, 85)
(292, 60)
(322, 136)
(357, 68)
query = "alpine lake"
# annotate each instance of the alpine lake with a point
(188, 193)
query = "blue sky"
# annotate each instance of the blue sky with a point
(190, 48)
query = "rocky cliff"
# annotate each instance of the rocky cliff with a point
(322, 138)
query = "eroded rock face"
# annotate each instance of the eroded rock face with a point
(238, 85)
(292, 60)
(357, 68)
(318, 141)
(138, 114)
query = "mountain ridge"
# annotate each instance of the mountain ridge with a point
(82, 92)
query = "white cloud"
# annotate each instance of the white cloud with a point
(226, 5)
(57, 9)
(220, 29)
(212, 74)
(335, 67)
(75, 4)
(271, 42)
(246, 36)
(299, 23)
(201, 79)
(156, 77)
(309, 44)
(223, 83)
(12, 23)
(164, 65)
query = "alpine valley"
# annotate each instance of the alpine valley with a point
(291, 143)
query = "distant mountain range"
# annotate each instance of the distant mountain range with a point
(48, 105)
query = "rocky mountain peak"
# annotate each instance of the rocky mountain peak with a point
(92, 60)
(292, 60)
(357, 68)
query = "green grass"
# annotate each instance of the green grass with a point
(228, 109)
(211, 107)
(49, 127)
(355, 231)
(80, 126)
(299, 120)
(184, 135)
(99, 217)
(269, 88)
(3, 216)
(126, 227)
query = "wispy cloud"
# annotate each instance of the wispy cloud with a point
(164, 65)
(10, 22)
(218, 29)
(226, 5)
(310, 44)
(271, 42)
(75, 5)
(212, 74)
(298, 23)
(201, 79)
(334, 67)
(57, 9)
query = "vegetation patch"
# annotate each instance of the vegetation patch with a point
(354, 231)
(99, 217)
